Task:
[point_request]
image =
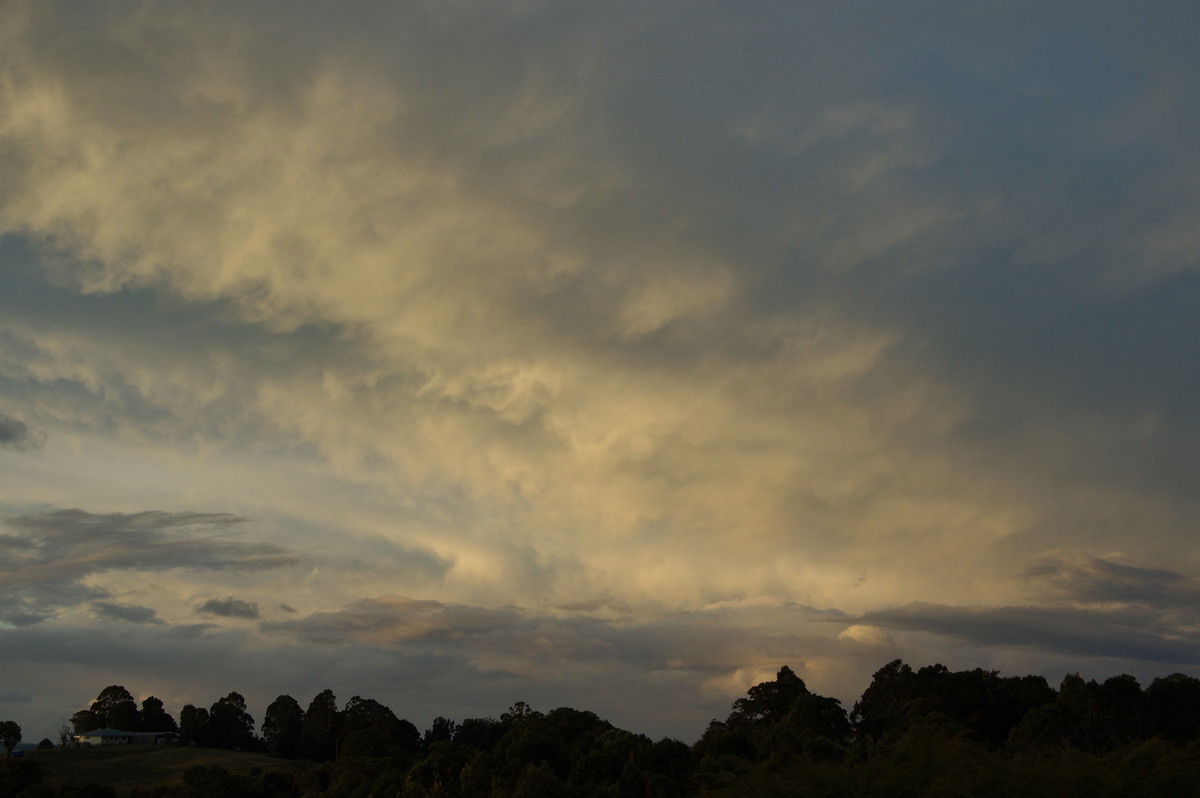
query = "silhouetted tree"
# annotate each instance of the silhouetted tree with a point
(283, 726)
(518, 713)
(368, 728)
(116, 708)
(1087, 716)
(153, 718)
(319, 740)
(361, 714)
(85, 721)
(481, 734)
(885, 704)
(1125, 706)
(780, 718)
(978, 703)
(1173, 704)
(229, 724)
(442, 730)
(193, 725)
(10, 735)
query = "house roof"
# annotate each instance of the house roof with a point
(119, 733)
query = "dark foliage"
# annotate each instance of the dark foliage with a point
(321, 722)
(153, 718)
(926, 732)
(10, 735)
(230, 725)
(18, 774)
(777, 720)
(977, 703)
(193, 725)
(114, 708)
(283, 726)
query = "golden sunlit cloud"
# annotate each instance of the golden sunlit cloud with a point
(491, 321)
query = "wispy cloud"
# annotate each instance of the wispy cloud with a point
(46, 559)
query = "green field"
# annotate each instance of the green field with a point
(127, 766)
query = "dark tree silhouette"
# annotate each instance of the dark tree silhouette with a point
(442, 730)
(193, 725)
(479, 733)
(10, 735)
(978, 703)
(371, 729)
(781, 719)
(283, 726)
(229, 724)
(319, 739)
(1173, 703)
(85, 721)
(116, 709)
(153, 718)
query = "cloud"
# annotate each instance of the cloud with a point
(16, 434)
(706, 648)
(803, 311)
(454, 660)
(393, 619)
(1097, 580)
(632, 331)
(48, 560)
(129, 613)
(229, 608)
(1087, 607)
(1082, 634)
(10, 694)
(866, 635)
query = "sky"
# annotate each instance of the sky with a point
(598, 354)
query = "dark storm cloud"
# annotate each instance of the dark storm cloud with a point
(705, 643)
(229, 607)
(1128, 634)
(16, 434)
(1095, 579)
(592, 606)
(29, 603)
(129, 613)
(1083, 607)
(45, 558)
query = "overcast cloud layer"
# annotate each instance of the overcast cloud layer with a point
(601, 354)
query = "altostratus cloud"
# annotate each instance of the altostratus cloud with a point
(46, 559)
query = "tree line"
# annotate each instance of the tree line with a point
(929, 731)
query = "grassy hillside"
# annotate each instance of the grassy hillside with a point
(127, 766)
